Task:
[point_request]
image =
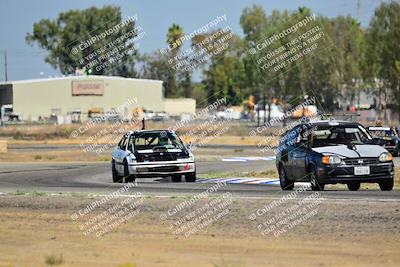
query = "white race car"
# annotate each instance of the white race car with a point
(152, 153)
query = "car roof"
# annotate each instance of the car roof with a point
(327, 123)
(378, 128)
(331, 123)
(149, 131)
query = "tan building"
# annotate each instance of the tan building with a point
(34, 99)
(179, 106)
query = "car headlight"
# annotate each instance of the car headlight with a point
(385, 156)
(331, 160)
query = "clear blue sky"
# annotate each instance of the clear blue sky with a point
(25, 62)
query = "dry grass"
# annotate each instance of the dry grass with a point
(35, 227)
(60, 132)
(53, 156)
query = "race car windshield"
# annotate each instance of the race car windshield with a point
(340, 135)
(156, 139)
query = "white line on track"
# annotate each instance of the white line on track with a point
(246, 159)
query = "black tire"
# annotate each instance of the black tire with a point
(116, 178)
(285, 183)
(396, 153)
(353, 186)
(130, 178)
(190, 177)
(127, 176)
(386, 185)
(315, 184)
(176, 178)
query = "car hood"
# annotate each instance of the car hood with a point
(365, 151)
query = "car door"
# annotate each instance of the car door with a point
(298, 155)
(287, 153)
(119, 153)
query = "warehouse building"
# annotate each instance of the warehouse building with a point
(77, 97)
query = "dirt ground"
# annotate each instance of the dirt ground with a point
(38, 230)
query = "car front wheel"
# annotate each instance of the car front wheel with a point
(116, 178)
(129, 178)
(386, 185)
(190, 177)
(176, 178)
(285, 183)
(315, 184)
(353, 186)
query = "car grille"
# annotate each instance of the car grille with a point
(159, 169)
(151, 157)
(361, 161)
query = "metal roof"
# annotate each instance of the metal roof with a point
(83, 77)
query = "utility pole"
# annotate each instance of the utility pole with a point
(5, 66)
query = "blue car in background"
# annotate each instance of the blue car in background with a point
(386, 137)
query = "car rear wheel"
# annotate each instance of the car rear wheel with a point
(386, 185)
(176, 178)
(315, 184)
(190, 177)
(285, 183)
(353, 186)
(115, 176)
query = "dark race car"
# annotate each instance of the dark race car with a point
(386, 137)
(331, 152)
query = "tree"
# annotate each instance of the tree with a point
(69, 41)
(154, 66)
(383, 53)
(224, 74)
(254, 22)
(174, 34)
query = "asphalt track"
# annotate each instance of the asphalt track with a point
(95, 178)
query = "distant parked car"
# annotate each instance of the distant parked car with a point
(7, 114)
(152, 153)
(160, 116)
(331, 152)
(386, 137)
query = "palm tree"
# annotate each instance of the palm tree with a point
(175, 32)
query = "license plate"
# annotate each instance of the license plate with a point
(363, 170)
